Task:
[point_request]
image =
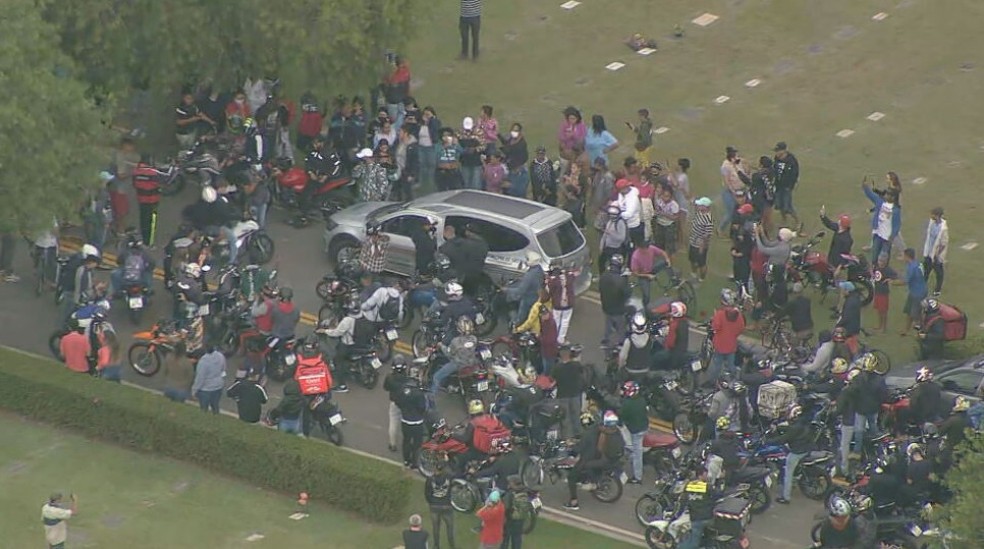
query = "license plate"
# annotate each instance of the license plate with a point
(553, 434)
(695, 366)
(482, 386)
(768, 481)
(290, 360)
(136, 302)
(479, 318)
(677, 452)
(624, 478)
(203, 310)
(335, 419)
(915, 530)
(392, 335)
(485, 354)
(536, 503)
(376, 363)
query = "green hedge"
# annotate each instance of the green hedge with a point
(43, 390)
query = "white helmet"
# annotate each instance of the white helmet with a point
(678, 309)
(639, 323)
(209, 194)
(454, 290)
(194, 270)
(90, 251)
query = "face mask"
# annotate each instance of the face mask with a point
(514, 134)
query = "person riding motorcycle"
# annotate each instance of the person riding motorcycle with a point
(727, 448)
(521, 399)
(725, 402)
(354, 332)
(135, 267)
(313, 375)
(477, 416)
(377, 304)
(320, 164)
(188, 294)
(503, 464)
(844, 530)
(262, 309)
(453, 305)
(461, 352)
(215, 213)
(674, 353)
(799, 436)
(701, 497)
(635, 356)
(925, 399)
(600, 450)
(931, 335)
(285, 316)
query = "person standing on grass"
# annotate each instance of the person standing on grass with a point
(415, 537)
(732, 183)
(598, 141)
(517, 155)
(701, 229)
(472, 149)
(800, 313)
(643, 136)
(53, 516)
(494, 173)
(469, 24)
(915, 279)
(935, 247)
(488, 130)
(493, 517)
(762, 190)
(842, 241)
(787, 172)
(570, 138)
(208, 384)
(250, 396)
(680, 183)
(882, 275)
(428, 136)
(518, 513)
(437, 492)
(886, 221)
(667, 216)
(630, 206)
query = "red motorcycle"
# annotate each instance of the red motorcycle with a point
(331, 195)
(444, 445)
(810, 267)
(663, 451)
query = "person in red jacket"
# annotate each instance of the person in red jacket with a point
(549, 344)
(727, 324)
(493, 517)
(147, 183)
(312, 118)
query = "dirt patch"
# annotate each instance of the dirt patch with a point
(113, 521)
(14, 468)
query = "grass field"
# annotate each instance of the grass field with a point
(824, 67)
(130, 500)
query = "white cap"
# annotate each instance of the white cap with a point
(468, 123)
(786, 235)
(533, 258)
(209, 194)
(364, 153)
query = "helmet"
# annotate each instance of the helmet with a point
(610, 419)
(924, 374)
(794, 411)
(616, 262)
(442, 261)
(134, 241)
(678, 309)
(311, 346)
(914, 449)
(839, 507)
(353, 307)
(853, 374)
(399, 364)
(475, 407)
(839, 334)
(286, 293)
(930, 305)
(868, 362)
(587, 420)
(728, 298)
(739, 387)
(465, 325)
(453, 290)
(372, 229)
(723, 423)
(249, 123)
(839, 366)
(527, 375)
(639, 323)
(764, 364)
(961, 404)
(209, 194)
(614, 210)
(194, 270)
(90, 252)
(630, 389)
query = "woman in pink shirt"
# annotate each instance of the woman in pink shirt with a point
(488, 130)
(494, 173)
(570, 136)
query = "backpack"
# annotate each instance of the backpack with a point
(488, 431)
(522, 509)
(133, 267)
(66, 278)
(390, 309)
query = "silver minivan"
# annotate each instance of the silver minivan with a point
(511, 226)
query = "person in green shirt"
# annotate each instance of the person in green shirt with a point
(636, 420)
(644, 137)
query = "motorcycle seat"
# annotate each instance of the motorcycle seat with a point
(659, 440)
(816, 457)
(245, 227)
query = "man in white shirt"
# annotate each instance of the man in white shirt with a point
(732, 171)
(54, 515)
(631, 207)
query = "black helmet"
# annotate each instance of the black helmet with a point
(399, 364)
(286, 293)
(442, 261)
(311, 347)
(353, 307)
(616, 262)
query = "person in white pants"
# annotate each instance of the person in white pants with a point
(560, 284)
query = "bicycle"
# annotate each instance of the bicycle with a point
(669, 282)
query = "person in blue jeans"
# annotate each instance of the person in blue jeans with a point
(798, 436)
(209, 380)
(289, 413)
(886, 221)
(701, 497)
(871, 392)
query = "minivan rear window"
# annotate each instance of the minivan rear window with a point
(561, 240)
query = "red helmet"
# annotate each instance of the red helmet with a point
(630, 389)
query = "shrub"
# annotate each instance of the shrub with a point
(34, 387)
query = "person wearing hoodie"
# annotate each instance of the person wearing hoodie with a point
(630, 206)
(285, 315)
(935, 247)
(850, 316)
(288, 413)
(886, 221)
(214, 212)
(727, 324)
(777, 254)
(842, 241)
(799, 309)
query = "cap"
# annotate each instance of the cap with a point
(494, 496)
(541, 149)
(704, 201)
(468, 123)
(780, 146)
(622, 184)
(846, 286)
(785, 235)
(364, 153)
(745, 209)
(730, 150)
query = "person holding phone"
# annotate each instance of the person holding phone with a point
(54, 514)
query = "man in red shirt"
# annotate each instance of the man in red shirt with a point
(147, 183)
(727, 324)
(74, 346)
(493, 517)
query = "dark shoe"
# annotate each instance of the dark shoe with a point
(391, 447)
(572, 506)
(784, 501)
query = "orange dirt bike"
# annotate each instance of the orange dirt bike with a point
(151, 347)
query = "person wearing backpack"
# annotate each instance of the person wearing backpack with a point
(385, 304)
(518, 512)
(135, 267)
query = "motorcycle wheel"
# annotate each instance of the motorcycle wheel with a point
(175, 186)
(650, 507)
(866, 290)
(531, 473)
(419, 344)
(323, 289)
(530, 524)
(368, 376)
(327, 314)
(684, 429)
(814, 483)
(383, 347)
(608, 489)
(657, 539)
(815, 532)
(277, 372)
(464, 496)
(144, 360)
(136, 315)
(760, 498)
(260, 248)
(54, 344)
(427, 461)
(334, 435)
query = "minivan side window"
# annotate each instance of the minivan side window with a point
(403, 225)
(499, 238)
(965, 382)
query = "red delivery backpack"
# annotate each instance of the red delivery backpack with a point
(488, 431)
(313, 376)
(954, 322)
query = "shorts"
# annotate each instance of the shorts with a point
(881, 303)
(913, 307)
(697, 257)
(120, 204)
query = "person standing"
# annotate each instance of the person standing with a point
(472, 149)
(208, 384)
(374, 251)
(250, 397)
(787, 172)
(701, 228)
(560, 283)
(53, 515)
(370, 177)
(75, 349)
(630, 206)
(187, 118)
(569, 375)
(413, 405)
(147, 183)
(882, 275)
(415, 537)
(636, 420)
(644, 136)
(614, 292)
(598, 141)
(800, 440)
(727, 325)
(915, 279)
(493, 517)
(517, 155)
(437, 491)
(518, 512)
(842, 241)
(470, 23)
(935, 247)
(886, 222)
(646, 262)
(448, 175)
(731, 167)
(393, 384)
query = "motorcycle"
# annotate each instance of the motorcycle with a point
(385, 340)
(329, 418)
(150, 348)
(443, 445)
(253, 241)
(430, 332)
(195, 164)
(492, 304)
(661, 450)
(365, 366)
(812, 473)
(330, 196)
(689, 423)
(91, 317)
(663, 395)
(605, 487)
(468, 492)
(136, 297)
(522, 349)
(809, 266)
(726, 530)
(281, 359)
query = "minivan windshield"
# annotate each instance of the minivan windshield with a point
(561, 240)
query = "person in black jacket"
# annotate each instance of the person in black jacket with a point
(799, 309)
(787, 174)
(289, 412)
(249, 396)
(925, 400)
(615, 292)
(798, 436)
(871, 392)
(569, 375)
(842, 241)
(954, 428)
(413, 405)
(437, 492)
(476, 252)
(850, 315)
(393, 384)
(701, 498)
(425, 246)
(932, 334)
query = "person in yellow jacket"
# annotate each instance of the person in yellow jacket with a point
(532, 323)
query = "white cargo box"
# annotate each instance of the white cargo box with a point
(774, 398)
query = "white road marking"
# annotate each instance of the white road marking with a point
(969, 246)
(646, 51)
(255, 537)
(705, 19)
(298, 516)
(570, 5)
(919, 181)
(722, 99)
(880, 16)
(753, 83)
(661, 130)
(614, 66)
(876, 116)
(845, 133)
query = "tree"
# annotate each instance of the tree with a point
(51, 145)
(962, 515)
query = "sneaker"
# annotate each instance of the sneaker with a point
(11, 277)
(572, 506)
(343, 388)
(634, 481)
(783, 501)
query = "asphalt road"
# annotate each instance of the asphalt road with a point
(299, 257)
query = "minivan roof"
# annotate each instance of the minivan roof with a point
(532, 214)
